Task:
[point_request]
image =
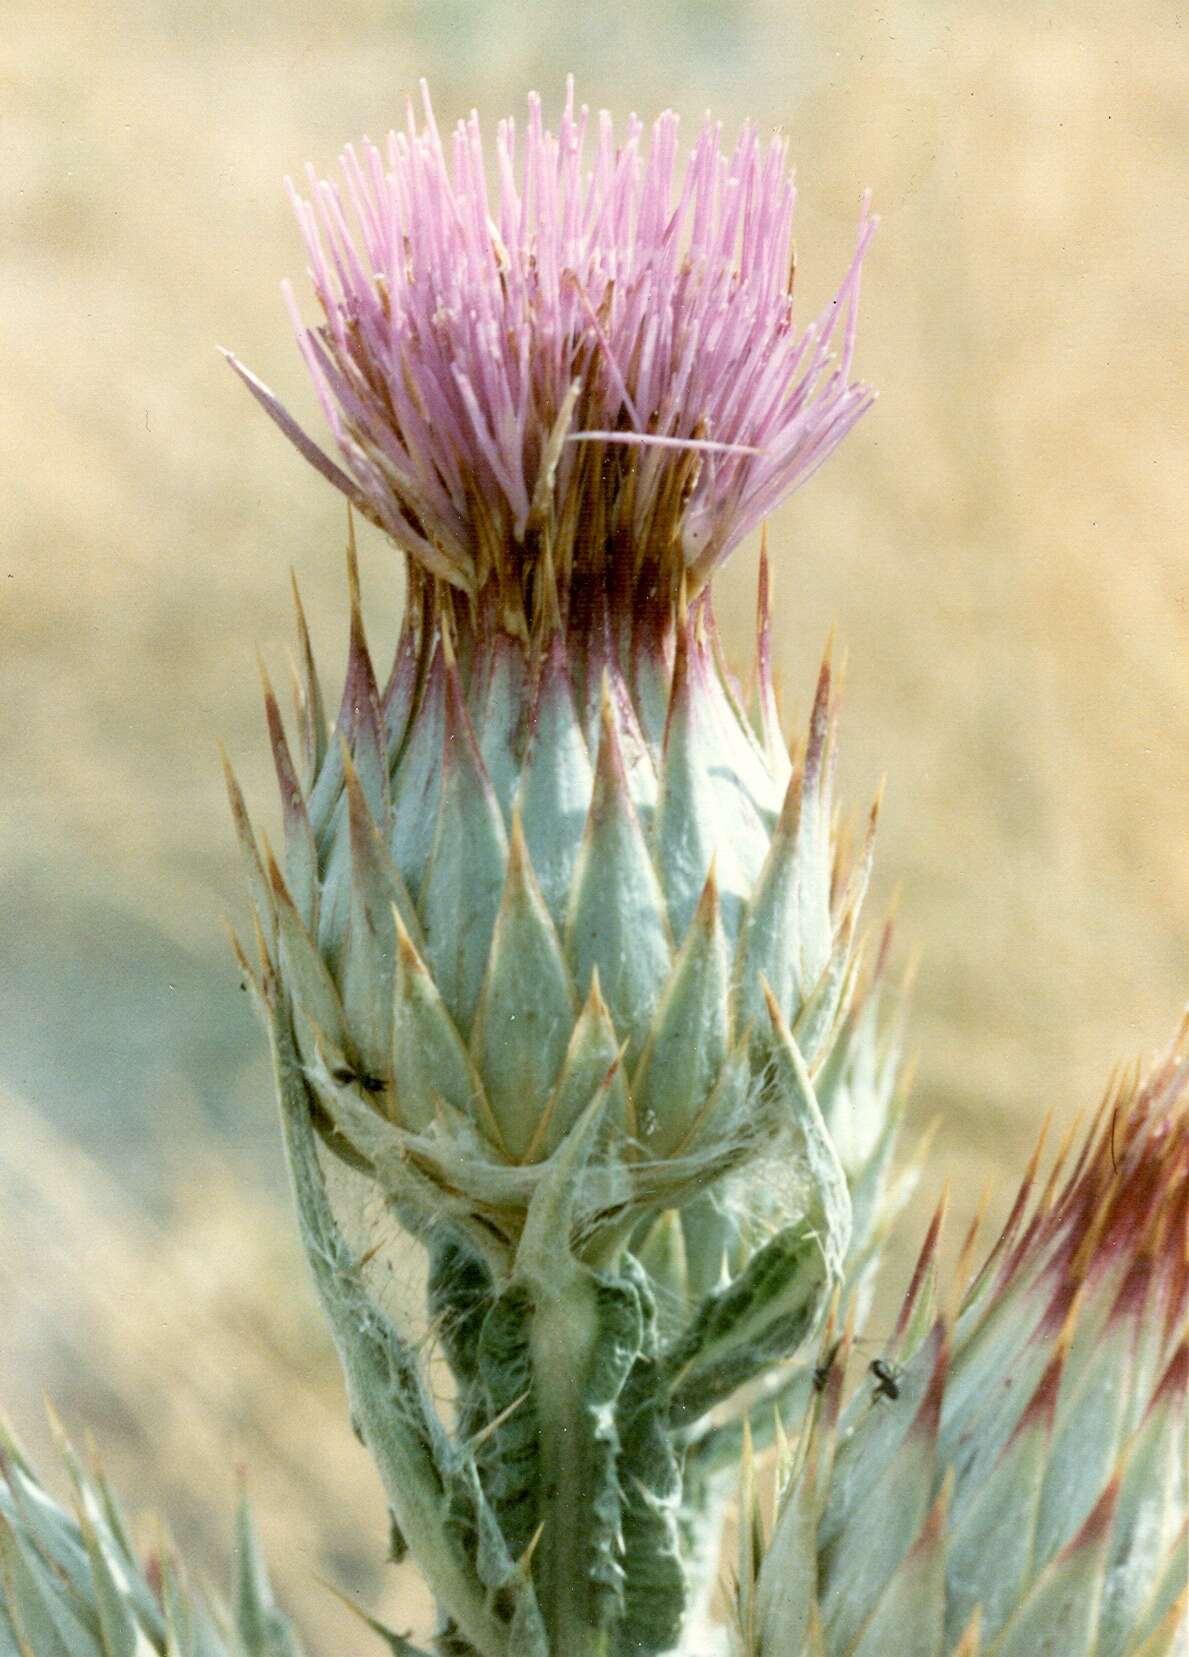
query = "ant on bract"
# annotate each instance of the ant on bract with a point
(347, 1077)
(885, 1374)
(887, 1380)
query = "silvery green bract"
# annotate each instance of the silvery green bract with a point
(1012, 1481)
(624, 894)
(73, 1584)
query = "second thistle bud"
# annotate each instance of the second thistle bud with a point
(1012, 1479)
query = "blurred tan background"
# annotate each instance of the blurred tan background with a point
(1001, 545)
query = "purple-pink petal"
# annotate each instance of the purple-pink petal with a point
(459, 312)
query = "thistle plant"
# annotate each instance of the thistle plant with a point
(560, 963)
(561, 935)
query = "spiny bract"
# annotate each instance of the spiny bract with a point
(622, 894)
(563, 934)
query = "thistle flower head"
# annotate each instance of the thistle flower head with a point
(1013, 1480)
(566, 399)
(590, 362)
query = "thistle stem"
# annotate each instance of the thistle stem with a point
(565, 1333)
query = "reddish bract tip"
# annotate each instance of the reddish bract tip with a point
(1097, 1526)
(927, 1420)
(926, 1258)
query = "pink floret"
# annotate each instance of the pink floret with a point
(476, 340)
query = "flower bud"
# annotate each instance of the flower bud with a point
(1011, 1478)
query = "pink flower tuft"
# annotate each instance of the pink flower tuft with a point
(603, 336)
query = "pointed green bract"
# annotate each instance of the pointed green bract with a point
(592, 1062)
(999, 1523)
(880, 1530)
(555, 786)
(461, 887)
(768, 945)
(1060, 1612)
(909, 1616)
(526, 1008)
(368, 960)
(704, 813)
(431, 1059)
(301, 856)
(813, 836)
(417, 783)
(483, 726)
(616, 924)
(519, 1017)
(690, 1036)
(504, 706)
(1152, 1495)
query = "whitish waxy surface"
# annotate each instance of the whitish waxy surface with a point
(561, 984)
(561, 937)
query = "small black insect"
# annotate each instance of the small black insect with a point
(345, 1076)
(821, 1372)
(887, 1382)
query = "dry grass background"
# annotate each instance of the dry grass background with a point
(1001, 545)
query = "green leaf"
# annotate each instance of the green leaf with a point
(759, 1318)
(655, 1590)
(425, 1478)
